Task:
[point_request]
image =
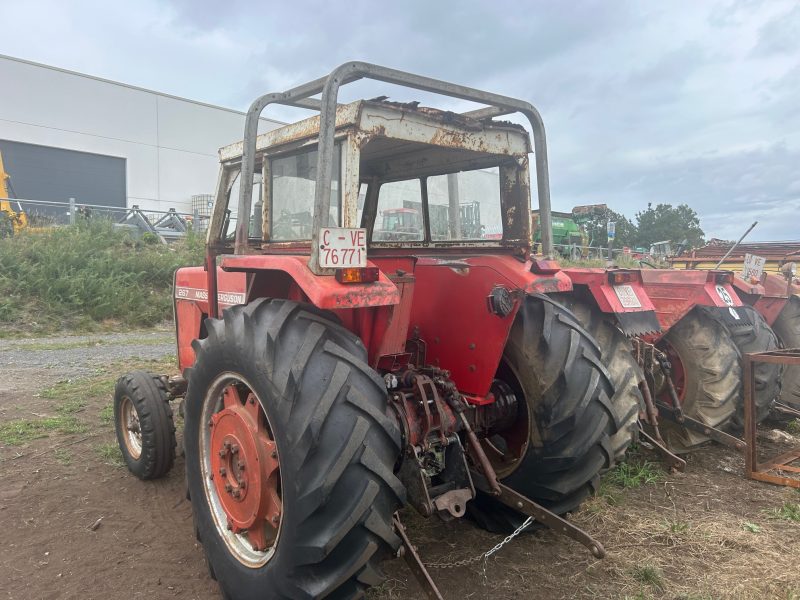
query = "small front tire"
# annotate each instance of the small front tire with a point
(144, 425)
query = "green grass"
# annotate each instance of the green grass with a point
(628, 475)
(110, 454)
(72, 394)
(151, 340)
(648, 575)
(87, 277)
(107, 413)
(790, 511)
(676, 526)
(751, 527)
(63, 456)
(22, 431)
(793, 427)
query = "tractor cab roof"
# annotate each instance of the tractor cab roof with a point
(419, 126)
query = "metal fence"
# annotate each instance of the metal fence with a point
(167, 224)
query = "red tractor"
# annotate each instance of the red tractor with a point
(688, 364)
(330, 374)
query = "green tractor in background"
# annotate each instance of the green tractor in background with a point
(569, 230)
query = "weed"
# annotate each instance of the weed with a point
(21, 431)
(793, 427)
(111, 455)
(676, 526)
(790, 511)
(648, 575)
(63, 456)
(107, 413)
(751, 527)
(629, 475)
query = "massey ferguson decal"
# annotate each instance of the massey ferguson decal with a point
(227, 298)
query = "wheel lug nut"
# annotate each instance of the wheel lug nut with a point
(228, 487)
(227, 444)
(223, 471)
(242, 484)
(235, 449)
(236, 493)
(240, 465)
(222, 453)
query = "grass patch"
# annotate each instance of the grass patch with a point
(88, 277)
(22, 431)
(793, 427)
(107, 414)
(648, 575)
(628, 475)
(63, 456)
(59, 345)
(676, 526)
(790, 511)
(74, 392)
(751, 527)
(111, 455)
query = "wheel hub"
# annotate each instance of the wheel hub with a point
(130, 424)
(244, 469)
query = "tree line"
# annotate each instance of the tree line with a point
(656, 224)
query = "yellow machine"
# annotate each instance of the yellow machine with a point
(11, 221)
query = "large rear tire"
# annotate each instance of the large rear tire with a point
(757, 336)
(560, 442)
(707, 376)
(787, 328)
(322, 439)
(624, 371)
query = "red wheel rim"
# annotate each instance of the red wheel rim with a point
(242, 470)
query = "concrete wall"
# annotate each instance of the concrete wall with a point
(169, 144)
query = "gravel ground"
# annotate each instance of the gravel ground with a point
(44, 361)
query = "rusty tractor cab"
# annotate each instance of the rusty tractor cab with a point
(332, 372)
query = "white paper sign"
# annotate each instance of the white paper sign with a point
(341, 248)
(753, 266)
(627, 296)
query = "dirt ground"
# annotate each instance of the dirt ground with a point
(708, 533)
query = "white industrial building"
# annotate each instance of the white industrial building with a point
(65, 134)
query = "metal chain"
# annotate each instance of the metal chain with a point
(468, 561)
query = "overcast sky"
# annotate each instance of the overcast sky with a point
(695, 102)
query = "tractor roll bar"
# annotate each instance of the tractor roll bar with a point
(329, 87)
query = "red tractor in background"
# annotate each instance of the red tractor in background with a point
(329, 375)
(773, 291)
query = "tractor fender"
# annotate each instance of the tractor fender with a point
(323, 291)
(619, 292)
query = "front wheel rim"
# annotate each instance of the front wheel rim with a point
(130, 427)
(240, 470)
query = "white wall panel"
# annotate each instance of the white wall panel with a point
(170, 144)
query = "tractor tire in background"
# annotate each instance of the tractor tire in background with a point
(787, 328)
(706, 371)
(281, 399)
(757, 336)
(144, 425)
(559, 443)
(624, 371)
